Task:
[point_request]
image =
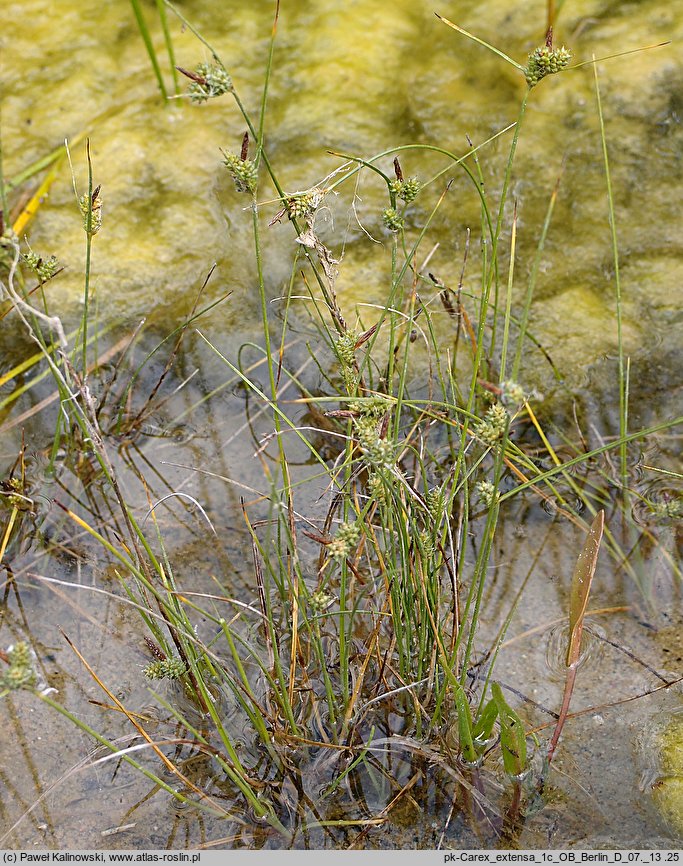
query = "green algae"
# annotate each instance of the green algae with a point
(361, 80)
(668, 789)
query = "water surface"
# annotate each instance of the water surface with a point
(355, 78)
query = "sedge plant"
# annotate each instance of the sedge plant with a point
(380, 638)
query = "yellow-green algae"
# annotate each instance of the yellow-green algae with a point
(668, 789)
(357, 80)
(359, 77)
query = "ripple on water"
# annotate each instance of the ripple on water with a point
(178, 433)
(564, 499)
(609, 462)
(659, 504)
(558, 643)
(181, 807)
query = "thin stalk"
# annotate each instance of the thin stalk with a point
(623, 406)
(147, 39)
(396, 281)
(392, 322)
(479, 579)
(329, 690)
(480, 42)
(8, 532)
(88, 260)
(292, 566)
(123, 755)
(493, 272)
(486, 222)
(486, 289)
(343, 587)
(163, 18)
(508, 298)
(3, 187)
(595, 60)
(255, 716)
(531, 286)
(266, 82)
(551, 14)
(581, 458)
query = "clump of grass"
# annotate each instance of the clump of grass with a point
(379, 640)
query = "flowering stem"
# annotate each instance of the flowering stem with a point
(88, 257)
(623, 378)
(480, 41)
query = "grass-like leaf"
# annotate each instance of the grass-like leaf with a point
(481, 42)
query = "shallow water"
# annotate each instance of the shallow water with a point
(356, 80)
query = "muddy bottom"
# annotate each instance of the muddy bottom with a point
(410, 789)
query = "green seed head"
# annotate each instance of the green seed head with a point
(243, 171)
(344, 541)
(487, 492)
(671, 509)
(320, 601)
(545, 61)
(301, 206)
(43, 268)
(513, 392)
(346, 350)
(374, 407)
(171, 669)
(20, 672)
(405, 189)
(376, 489)
(435, 500)
(427, 543)
(91, 211)
(20, 655)
(491, 428)
(8, 245)
(208, 81)
(377, 451)
(392, 219)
